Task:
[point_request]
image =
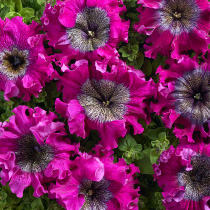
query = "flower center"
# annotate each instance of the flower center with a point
(192, 96)
(91, 30)
(90, 192)
(197, 180)
(105, 103)
(13, 63)
(31, 156)
(198, 96)
(178, 16)
(96, 194)
(104, 100)
(91, 34)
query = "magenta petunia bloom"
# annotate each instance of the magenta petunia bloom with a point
(24, 65)
(184, 98)
(174, 26)
(103, 101)
(184, 175)
(33, 150)
(85, 29)
(97, 183)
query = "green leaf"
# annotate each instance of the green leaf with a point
(147, 68)
(5, 116)
(153, 133)
(130, 3)
(162, 136)
(35, 4)
(137, 148)
(3, 197)
(31, 191)
(145, 164)
(52, 93)
(15, 199)
(37, 204)
(136, 152)
(41, 2)
(11, 5)
(25, 206)
(18, 5)
(139, 60)
(161, 143)
(124, 51)
(12, 14)
(53, 205)
(154, 155)
(133, 15)
(159, 198)
(27, 12)
(125, 144)
(1, 95)
(131, 57)
(135, 49)
(127, 157)
(157, 62)
(4, 11)
(41, 97)
(6, 189)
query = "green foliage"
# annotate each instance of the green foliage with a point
(132, 150)
(87, 144)
(51, 94)
(41, 97)
(145, 164)
(9, 201)
(159, 60)
(125, 144)
(4, 11)
(130, 3)
(147, 67)
(28, 9)
(158, 144)
(151, 197)
(159, 199)
(5, 108)
(129, 51)
(152, 202)
(28, 14)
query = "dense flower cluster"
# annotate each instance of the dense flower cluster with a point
(92, 91)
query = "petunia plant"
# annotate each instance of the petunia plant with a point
(104, 105)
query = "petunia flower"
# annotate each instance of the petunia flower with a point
(183, 98)
(103, 101)
(174, 26)
(85, 29)
(97, 183)
(24, 64)
(184, 175)
(33, 150)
